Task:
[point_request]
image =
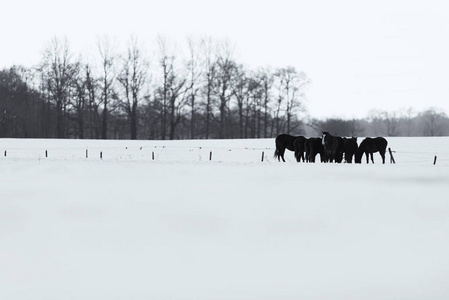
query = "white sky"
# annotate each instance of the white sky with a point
(360, 55)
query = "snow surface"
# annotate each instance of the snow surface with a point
(183, 227)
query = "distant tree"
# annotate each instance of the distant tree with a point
(254, 106)
(107, 50)
(19, 104)
(291, 85)
(433, 121)
(58, 72)
(265, 78)
(407, 118)
(339, 127)
(376, 122)
(209, 53)
(226, 68)
(92, 86)
(133, 77)
(80, 100)
(171, 92)
(240, 90)
(193, 82)
(392, 123)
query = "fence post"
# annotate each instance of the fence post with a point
(87, 154)
(46, 153)
(210, 156)
(262, 155)
(391, 156)
(435, 160)
(152, 155)
(5, 153)
(101, 154)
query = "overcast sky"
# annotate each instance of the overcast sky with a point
(359, 55)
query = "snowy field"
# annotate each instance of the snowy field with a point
(160, 220)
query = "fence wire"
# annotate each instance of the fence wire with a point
(174, 153)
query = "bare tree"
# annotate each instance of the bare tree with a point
(266, 79)
(173, 90)
(240, 90)
(226, 68)
(291, 91)
(133, 77)
(407, 117)
(432, 119)
(385, 122)
(81, 99)
(210, 73)
(58, 72)
(392, 123)
(291, 86)
(194, 71)
(107, 50)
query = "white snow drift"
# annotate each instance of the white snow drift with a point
(180, 226)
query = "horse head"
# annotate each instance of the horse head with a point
(323, 138)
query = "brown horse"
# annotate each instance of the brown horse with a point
(333, 147)
(316, 147)
(284, 141)
(369, 146)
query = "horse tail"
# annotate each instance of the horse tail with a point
(297, 156)
(276, 153)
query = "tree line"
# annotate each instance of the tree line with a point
(406, 122)
(128, 94)
(199, 91)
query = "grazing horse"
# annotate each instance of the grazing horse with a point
(333, 147)
(283, 141)
(369, 146)
(299, 145)
(316, 147)
(350, 148)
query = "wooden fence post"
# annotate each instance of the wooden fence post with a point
(210, 156)
(152, 155)
(262, 155)
(101, 154)
(46, 153)
(5, 153)
(435, 160)
(87, 154)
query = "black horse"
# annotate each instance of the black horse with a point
(350, 148)
(369, 146)
(333, 147)
(315, 147)
(284, 141)
(299, 145)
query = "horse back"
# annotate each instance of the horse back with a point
(381, 143)
(372, 145)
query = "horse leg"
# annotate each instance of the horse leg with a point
(383, 157)
(281, 153)
(372, 158)
(367, 157)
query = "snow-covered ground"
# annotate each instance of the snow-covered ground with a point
(180, 226)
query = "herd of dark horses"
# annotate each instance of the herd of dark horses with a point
(331, 148)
